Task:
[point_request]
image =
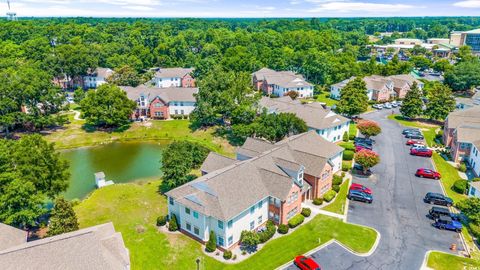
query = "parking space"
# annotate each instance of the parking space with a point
(397, 212)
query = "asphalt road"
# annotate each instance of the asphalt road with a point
(398, 211)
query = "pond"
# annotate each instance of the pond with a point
(121, 162)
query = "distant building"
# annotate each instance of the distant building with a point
(174, 77)
(408, 41)
(279, 83)
(96, 77)
(97, 247)
(466, 103)
(161, 103)
(438, 41)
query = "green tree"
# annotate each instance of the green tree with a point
(367, 159)
(249, 240)
(63, 219)
(108, 106)
(173, 223)
(353, 98)
(211, 245)
(440, 102)
(442, 65)
(412, 104)
(464, 76)
(78, 95)
(125, 76)
(369, 128)
(421, 62)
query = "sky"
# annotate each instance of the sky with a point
(241, 8)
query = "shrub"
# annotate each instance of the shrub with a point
(318, 201)
(282, 229)
(161, 221)
(268, 233)
(345, 137)
(348, 155)
(440, 133)
(345, 166)
(460, 186)
(347, 146)
(337, 180)
(474, 229)
(369, 128)
(295, 221)
(172, 224)
(306, 212)
(367, 158)
(462, 167)
(234, 257)
(249, 240)
(351, 137)
(336, 188)
(329, 195)
(227, 254)
(343, 175)
(212, 242)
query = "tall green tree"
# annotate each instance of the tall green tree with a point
(464, 76)
(440, 102)
(78, 95)
(108, 106)
(125, 76)
(412, 105)
(353, 98)
(63, 219)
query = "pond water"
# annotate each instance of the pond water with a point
(121, 162)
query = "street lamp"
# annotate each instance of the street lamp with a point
(198, 263)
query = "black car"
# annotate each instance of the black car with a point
(410, 130)
(437, 198)
(417, 136)
(357, 195)
(363, 140)
(358, 169)
(437, 212)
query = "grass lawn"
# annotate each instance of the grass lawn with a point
(352, 129)
(338, 206)
(73, 135)
(429, 131)
(449, 176)
(444, 261)
(325, 98)
(133, 209)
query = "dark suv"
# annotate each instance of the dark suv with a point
(437, 198)
(357, 195)
(438, 212)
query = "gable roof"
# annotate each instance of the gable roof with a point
(97, 247)
(468, 133)
(11, 236)
(227, 192)
(285, 79)
(101, 72)
(173, 72)
(314, 115)
(215, 161)
(462, 117)
(166, 94)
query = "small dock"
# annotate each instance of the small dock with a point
(100, 180)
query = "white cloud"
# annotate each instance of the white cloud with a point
(468, 4)
(139, 8)
(345, 7)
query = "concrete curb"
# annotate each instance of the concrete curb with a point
(425, 261)
(334, 241)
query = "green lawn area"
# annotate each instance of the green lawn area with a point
(444, 261)
(338, 205)
(133, 209)
(429, 131)
(449, 176)
(73, 135)
(352, 129)
(325, 98)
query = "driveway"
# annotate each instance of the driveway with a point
(398, 211)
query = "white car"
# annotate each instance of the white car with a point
(419, 146)
(388, 106)
(378, 106)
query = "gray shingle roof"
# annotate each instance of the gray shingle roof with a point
(464, 117)
(314, 115)
(468, 133)
(286, 79)
(97, 247)
(11, 236)
(227, 192)
(173, 72)
(215, 161)
(166, 94)
(101, 72)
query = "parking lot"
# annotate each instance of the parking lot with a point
(397, 212)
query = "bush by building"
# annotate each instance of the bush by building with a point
(295, 221)
(282, 229)
(306, 212)
(318, 201)
(329, 195)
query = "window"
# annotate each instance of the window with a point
(260, 203)
(176, 111)
(270, 214)
(276, 217)
(252, 209)
(260, 220)
(220, 241)
(230, 224)
(187, 210)
(195, 214)
(181, 103)
(159, 114)
(182, 112)
(230, 240)
(220, 224)
(252, 225)
(158, 104)
(170, 200)
(196, 230)
(189, 227)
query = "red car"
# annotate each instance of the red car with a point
(427, 173)
(412, 142)
(305, 263)
(359, 148)
(355, 186)
(421, 152)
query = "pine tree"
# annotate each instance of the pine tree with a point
(212, 242)
(63, 218)
(412, 104)
(173, 224)
(353, 98)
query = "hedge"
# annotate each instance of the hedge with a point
(329, 195)
(347, 146)
(161, 220)
(346, 167)
(336, 188)
(460, 186)
(337, 180)
(295, 221)
(352, 137)
(474, 229)
(227, 254)
(306, 212)
(348, 155)
(318, 201)
(282, 229)
(268, 233)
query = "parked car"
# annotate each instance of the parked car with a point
(414, 135)
(364, 145)
(427, 173)
(394, 104)
(400, 103)
(305, 263)
(413, 142)
(447, 223)
(363, 140)
(359, 187)
(438, 212)
(437, 198)
(421, 146)
(421, 152)
(377, 106)
(358, 169)
(388, 106)
(357, 195)
(408, 130)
